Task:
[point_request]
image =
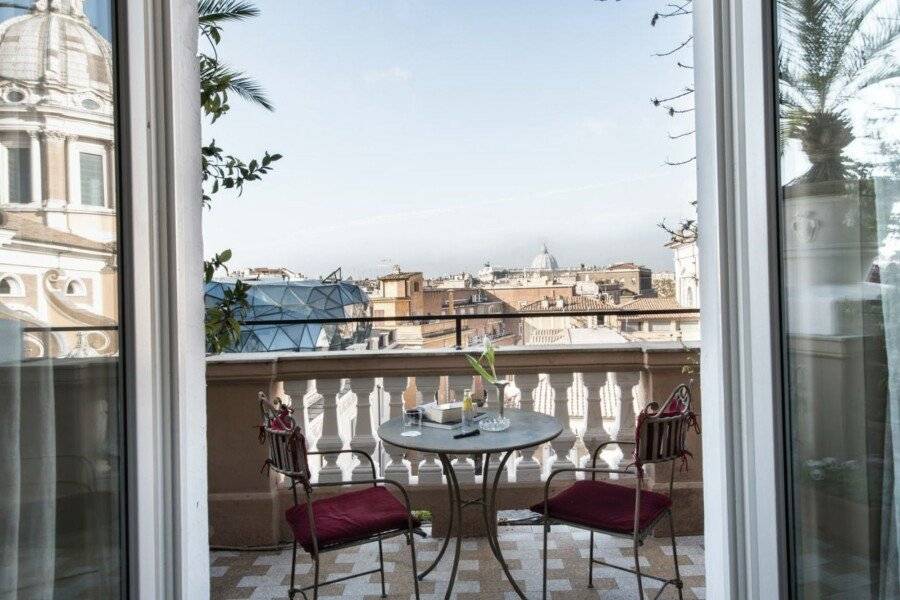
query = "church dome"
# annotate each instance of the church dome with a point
(544, 261)
(53, 56)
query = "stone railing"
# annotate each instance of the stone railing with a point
(342, 397)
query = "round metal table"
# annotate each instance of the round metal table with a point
(527, 429)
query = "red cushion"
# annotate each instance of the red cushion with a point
(349, 517)
(606, 506)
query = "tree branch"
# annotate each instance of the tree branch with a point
(678, 111)
(681, 135)
(676, 49)
(676, 163)
(686, 92)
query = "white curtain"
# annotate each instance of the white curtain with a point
(27, 472)
(887, 193)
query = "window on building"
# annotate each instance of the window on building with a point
(92, 179)
(10, 287)
(660, 326)
(631, 326)
(19, 174)
(75, 288)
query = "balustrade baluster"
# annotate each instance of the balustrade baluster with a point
(430, 471)
(296, 390)
(398, 469)
(303, 393)
(330, 438)
(594, 432)
(527, 468)
(629, 390)
(562, 444)
(363, 436)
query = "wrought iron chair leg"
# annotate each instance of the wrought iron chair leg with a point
(293, 564)
(381, 567)
(637, 569)
(678, 583)
(316, 579)
(546, 531)
(591, 563)
(412, 552)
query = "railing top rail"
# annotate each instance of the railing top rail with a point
(272, 366)
(467, 317)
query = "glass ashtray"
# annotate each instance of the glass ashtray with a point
(493, 423)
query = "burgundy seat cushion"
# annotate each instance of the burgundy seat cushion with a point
(602, 505)
(349, 517)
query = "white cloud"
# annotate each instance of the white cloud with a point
(390, 74)
(596, 125)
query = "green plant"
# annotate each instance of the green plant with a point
(220, 170)
(830, 51)
(487, 357)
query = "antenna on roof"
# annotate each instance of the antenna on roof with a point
(333, 277)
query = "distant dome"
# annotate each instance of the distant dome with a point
(544, 261)
(53, 55)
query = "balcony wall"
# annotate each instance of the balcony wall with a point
(342, 396)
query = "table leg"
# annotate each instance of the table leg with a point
(454, 501)
(453, 484)
(489, 510)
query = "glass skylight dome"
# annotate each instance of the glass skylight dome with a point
(309, 299)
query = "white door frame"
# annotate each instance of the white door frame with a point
(743, 446)
(159, 150)
(741, 340)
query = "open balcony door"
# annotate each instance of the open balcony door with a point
(168, 541)
(800, 331)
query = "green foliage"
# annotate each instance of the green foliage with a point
(831, 50)
(223, 321)
(222, 171)
(225, 172)
(487, 358)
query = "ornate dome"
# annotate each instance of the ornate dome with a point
(544, 261)
(53, 55)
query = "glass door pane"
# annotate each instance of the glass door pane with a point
(61, 474)
(839, 215)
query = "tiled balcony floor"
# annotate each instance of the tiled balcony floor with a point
(266, 575)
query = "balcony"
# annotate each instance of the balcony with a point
(342, 396)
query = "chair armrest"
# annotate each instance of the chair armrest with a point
(349, 451)
(604, 445)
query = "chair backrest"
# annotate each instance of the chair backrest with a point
(661, 433)
(284, 440)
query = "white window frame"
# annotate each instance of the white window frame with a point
(743, 484)
(743, 473)
(22, 142)
(158, 150)
(97, 149)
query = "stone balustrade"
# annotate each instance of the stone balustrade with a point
(342, 397)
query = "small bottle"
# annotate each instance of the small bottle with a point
(468, 408)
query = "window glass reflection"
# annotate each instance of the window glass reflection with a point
(838, 103)
(60, 407)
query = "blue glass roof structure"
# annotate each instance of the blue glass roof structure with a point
(300, 300)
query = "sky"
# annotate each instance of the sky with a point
(442, 135)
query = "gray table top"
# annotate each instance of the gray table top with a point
(526, 429)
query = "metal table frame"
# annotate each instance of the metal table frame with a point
(487, 501)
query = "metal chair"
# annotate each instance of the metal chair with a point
(613, 509)
(349, 519)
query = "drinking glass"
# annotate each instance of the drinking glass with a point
(412, 422)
